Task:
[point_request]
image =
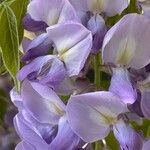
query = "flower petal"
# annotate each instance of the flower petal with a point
(24, 146)
(127, 137)
(48, 70)
(32, 25)
(28, 133)
(98, 28)
(48, 109)
(116, 7)
(110, 7)
(51, 11)
(73, 42)
(90, 115)
(127, 41)
(38, 47)
(146, 145)
(66, 139)
(16, 98)
(121, 85)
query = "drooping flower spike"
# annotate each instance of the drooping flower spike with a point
(65, 33)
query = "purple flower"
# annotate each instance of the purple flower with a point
(91, 115)
(57, 61)
(73, 44)
(48, 70)
(146, 145)
(43, 125)
(127, 41)
(127, 137)
(32, 25)
(49, 12)
(121, 85)
(89, 12)
(24, 145)
(36, 134)
(39, 46)
(97, 26)
(109, 7)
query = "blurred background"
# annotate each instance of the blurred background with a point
(8, 136)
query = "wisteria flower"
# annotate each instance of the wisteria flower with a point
(44, 125)
(121, 85)
(127, 41)
(90, 11)
(91, 115)
(51, 12)
(72, 43)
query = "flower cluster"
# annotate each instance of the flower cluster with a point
(62, 39)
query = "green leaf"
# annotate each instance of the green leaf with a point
(9, 41)
(19, 8)
(2, 67)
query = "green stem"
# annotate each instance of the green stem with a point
(97, 78)
(133, 8)
(98, 145)
(97, 81)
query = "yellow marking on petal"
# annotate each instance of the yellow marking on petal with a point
(106, 117)
(58, 110)
(126, 51)
(98, 5)
(29, 35)
(62, 54)
(54, 108)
